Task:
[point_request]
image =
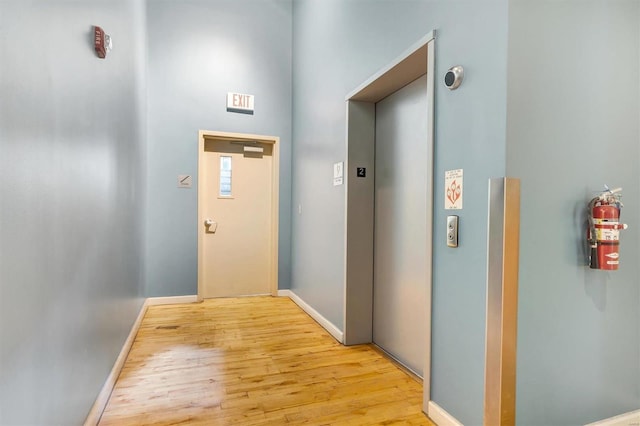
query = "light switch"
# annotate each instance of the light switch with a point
(452, 231)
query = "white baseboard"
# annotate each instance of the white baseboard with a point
(440, 417)
(171, 300)
(103, 397)
(628, 419)
(325, 323)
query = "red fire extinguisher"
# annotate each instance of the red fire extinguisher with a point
(604, 230)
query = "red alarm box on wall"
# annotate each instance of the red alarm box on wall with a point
(101, 41)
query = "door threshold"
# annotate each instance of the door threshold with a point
(239, 296)
(395, 362)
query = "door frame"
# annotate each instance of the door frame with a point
(415, 62)
(204, 135)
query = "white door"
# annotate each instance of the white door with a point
(236, 218)
(400, 270)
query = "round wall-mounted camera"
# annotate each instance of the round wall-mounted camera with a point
(453, 77)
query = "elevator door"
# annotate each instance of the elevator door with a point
(400, 272)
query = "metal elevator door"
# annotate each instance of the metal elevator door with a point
(400, 272)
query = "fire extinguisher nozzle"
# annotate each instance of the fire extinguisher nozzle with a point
(593, 259)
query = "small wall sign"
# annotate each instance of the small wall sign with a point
(453, 189)
(361, 171)
(240, 102)
(185, 181)
(338, 173)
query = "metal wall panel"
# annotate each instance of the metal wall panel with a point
(503, 235)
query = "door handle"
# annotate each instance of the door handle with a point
(210, 225)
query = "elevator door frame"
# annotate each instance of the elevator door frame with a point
(360, 192)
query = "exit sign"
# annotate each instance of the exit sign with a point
(239, 102)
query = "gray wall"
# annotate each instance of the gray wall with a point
(198, 51)
(573, 106)
(71, 195)
(337, 45)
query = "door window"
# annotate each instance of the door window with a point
(225, 176)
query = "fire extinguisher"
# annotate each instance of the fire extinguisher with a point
(603, 233)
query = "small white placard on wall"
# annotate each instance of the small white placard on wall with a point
(338, 173)
(453, 189)
(240, 102)
(185, 181)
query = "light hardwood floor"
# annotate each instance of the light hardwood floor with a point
(255, 361)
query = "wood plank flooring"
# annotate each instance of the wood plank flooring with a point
(255, 361)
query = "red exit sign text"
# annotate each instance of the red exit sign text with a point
(240, 102)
